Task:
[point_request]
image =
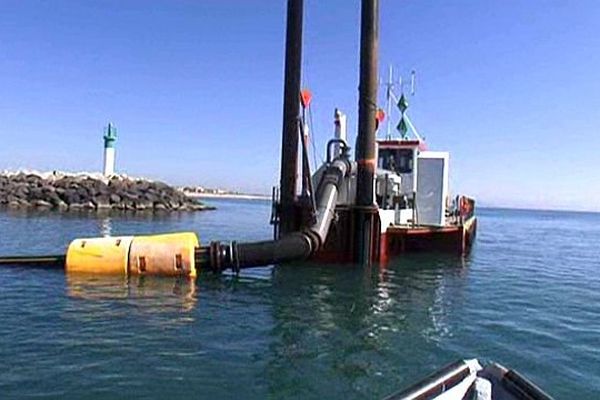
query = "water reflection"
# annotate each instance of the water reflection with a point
(152, 294)
(346, 323)
(105, 226)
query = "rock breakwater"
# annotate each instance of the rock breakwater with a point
(75, 192)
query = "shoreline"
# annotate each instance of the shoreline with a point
(228, 196)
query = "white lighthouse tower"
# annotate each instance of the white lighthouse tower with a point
(110, 137)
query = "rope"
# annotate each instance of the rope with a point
(314, 139)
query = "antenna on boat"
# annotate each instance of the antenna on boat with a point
(389, 95)
(401, 103)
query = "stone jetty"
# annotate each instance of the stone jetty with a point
(93, 192)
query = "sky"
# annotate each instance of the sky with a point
(195, 88)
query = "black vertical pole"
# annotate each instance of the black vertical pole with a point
(365, 156)
(291, 109)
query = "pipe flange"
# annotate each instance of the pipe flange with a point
(233, 259)
(215, 256)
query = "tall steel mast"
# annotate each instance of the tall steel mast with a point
(291, 109)
(366, 209)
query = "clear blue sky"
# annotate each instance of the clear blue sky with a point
(510, 88)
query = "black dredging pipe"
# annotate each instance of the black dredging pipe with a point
(365, 153)
(293, 246)
(291, 109)
(46, 261)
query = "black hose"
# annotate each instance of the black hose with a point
(40, 261)
(294, 246)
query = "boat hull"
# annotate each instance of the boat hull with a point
(456, 239)
(397, 240)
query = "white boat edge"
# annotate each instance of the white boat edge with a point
(470, 380)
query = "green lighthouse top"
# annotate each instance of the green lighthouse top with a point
(110, 136)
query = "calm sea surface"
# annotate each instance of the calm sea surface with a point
(527, 297)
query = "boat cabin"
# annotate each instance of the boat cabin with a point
(400, 157)
(412, 181)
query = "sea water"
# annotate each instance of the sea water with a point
(528, 297)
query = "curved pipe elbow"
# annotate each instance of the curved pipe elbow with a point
(295, 246)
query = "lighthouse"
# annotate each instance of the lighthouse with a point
(110, 137)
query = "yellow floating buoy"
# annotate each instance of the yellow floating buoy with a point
(168, 255)
(108, 255)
